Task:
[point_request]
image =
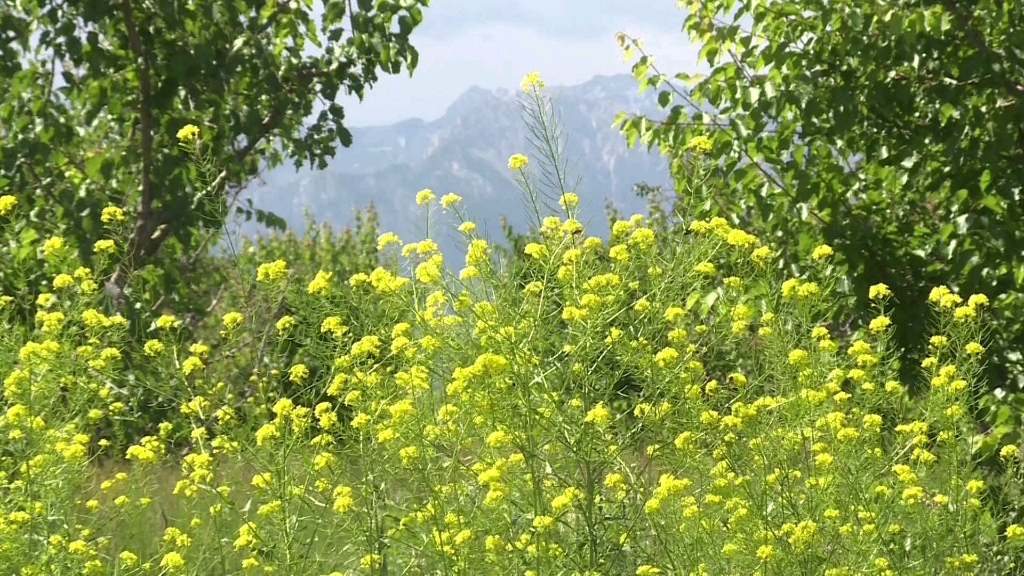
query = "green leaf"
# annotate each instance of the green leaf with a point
(946, 112)
(986, 180)
(753, 94)
(709, 53)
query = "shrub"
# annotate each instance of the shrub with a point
(840, 123)
(476, 427)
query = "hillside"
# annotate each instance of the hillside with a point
(466, 151)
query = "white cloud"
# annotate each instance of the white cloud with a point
(498, 55)
(573, 19)
(494, 43)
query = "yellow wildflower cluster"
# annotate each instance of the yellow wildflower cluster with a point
(649, 404)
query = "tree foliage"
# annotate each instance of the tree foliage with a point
(95, 92)
(891, 130)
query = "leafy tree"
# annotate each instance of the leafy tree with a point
(96, 91)
(891, 130)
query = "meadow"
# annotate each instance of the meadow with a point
(666, 401)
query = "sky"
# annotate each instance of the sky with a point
(494, 43)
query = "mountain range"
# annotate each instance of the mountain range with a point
(466, 151)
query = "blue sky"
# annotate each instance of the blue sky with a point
(494, 43)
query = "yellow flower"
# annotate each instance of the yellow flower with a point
(167, 322)
(478, 253)
(334, 325)
(270, 508)
(285, 324)
(53, 246)
(963, 313)
(425, 196)
(387, 239)
(271, 271)
(741, 239)
(409, 455)
(78, 547)
(246, 536)
(429, 272)
(449, 200)
(879, 292)
(569, 200)
(45, 300)
(1014, 532)
(128, 559)
(699, 145)
(321, 284)
(976, 486)
(63, 281)
(807, 290)
(619, 253)
(298, 373)
(532, 81)
(517, 162)
(666, 357)
(913, 495)
(938, 293)
(104, 246)
(232, 320)
(343, 499)
(463, 537)
(172, 561)
(762, 255)
(536, 251)
(543, 522)
(978, 301)
(188, 133)
(705, 269)
(498, 439)
(798, 357)
(370, 561)
(790, 287)
(674, 313)
(880, 324)
(112, 214)
(599, 415)
(366, 346)
(191, 364)
(822, 252)
(7, 204)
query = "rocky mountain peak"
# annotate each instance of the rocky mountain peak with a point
(466, 151)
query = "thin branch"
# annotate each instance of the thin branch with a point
(146, 229)
(242, 153)
(746, 153)
(145, 114)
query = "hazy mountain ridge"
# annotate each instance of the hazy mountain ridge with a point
(466, 151)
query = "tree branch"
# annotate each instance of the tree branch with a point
(157, 228)
(145, 113)
(146, 229)
(242, 153)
